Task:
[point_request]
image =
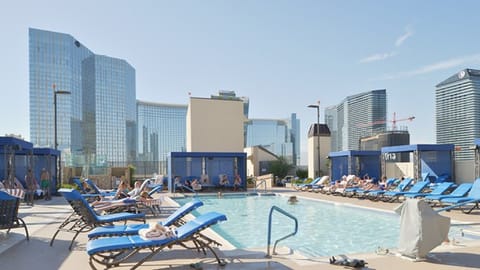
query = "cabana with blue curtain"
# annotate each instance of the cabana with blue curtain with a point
(46, 158)
(435, 159)
(195, 165)
(354, 162)
(15, 158)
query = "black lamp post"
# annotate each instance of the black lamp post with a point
(59, 168)
(317, 106)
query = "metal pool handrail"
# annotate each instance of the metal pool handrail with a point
(263, 181)
(270, 229)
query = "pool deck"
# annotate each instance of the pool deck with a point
(43, 220)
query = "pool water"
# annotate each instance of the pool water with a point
(324, 229)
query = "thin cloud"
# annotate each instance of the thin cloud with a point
(377, 57)
(447, 64)
(450, 63)
(401, 39)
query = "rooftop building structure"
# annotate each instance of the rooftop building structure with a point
(356, 116)
(457, 107)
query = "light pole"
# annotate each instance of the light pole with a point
(317, 106)
(59, 168)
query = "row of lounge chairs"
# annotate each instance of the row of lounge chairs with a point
(113, 245)
(109, 204)
(447, 195)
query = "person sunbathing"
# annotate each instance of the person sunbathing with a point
(196, 185)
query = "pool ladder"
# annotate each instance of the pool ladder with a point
(276, 208)
(261, 182)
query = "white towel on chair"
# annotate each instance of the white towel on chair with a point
(156, 232)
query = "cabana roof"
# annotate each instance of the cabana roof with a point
(418, 147)
(208, 154)
(20, 146)
(46, 151)
(354, 153)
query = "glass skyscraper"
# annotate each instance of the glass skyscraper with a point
(55, 59)
(279, 136)
(109, 109)
(357, 116)
(457, 103)
(96, 121)
(161, 130)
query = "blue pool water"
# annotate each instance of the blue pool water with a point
(324, 229)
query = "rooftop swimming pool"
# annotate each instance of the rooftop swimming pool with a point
(324, 228)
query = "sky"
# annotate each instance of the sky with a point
(282, 55)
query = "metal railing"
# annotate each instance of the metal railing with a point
(276, 208)
(263, 181)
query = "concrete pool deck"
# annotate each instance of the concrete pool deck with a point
(44, 218)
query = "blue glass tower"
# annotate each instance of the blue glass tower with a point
(55, 59)
(280, 137)
(357, 116)
(109, 109)
(96, 121)
(161, 130)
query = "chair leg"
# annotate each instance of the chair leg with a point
(24, 226)
(53, 237)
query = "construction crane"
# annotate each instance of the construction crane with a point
(394, 122)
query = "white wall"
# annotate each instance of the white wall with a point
(399, 169)
(313, 155)
(215, 125)
(464, 171)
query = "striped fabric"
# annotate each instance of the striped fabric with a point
(19, 193)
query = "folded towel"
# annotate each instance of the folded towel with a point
(156, 232)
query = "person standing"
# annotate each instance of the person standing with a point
(32, 186)
(45, 184)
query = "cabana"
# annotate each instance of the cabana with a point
(15, 157)
(46, 158)
(207, 166)
(354, 162)
(435, 159)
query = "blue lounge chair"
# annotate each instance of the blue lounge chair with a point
(442, 178)
(402, 186)
(115, 251)
(437, 190)
(79, 185)
(175, 219)
(98, 191)
(360, 192)
(473, 197)
(84, 218)
(9, 218)
(459, 191)
(309, 185)
(415, 189)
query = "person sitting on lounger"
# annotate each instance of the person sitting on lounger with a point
(122, 190)
(136, 190)
(237, 182)
(224, 180)
(196, 185)
(87, 188)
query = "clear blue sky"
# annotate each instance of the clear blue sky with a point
(283, 55)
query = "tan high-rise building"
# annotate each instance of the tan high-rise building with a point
(215, 125)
